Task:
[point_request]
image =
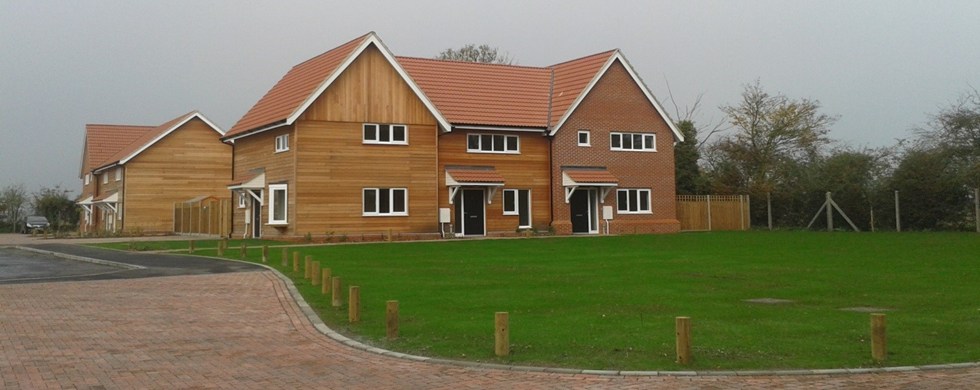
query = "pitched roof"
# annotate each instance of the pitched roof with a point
(470, 93)
(456, 92)
(103, 141)
(149, 136)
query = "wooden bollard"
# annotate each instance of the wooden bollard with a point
(337, 300)
(390, 236)
(190, 247)
(223, 244)
(265, 253)
(285, 257)
(221, 248)
(501, 344)
(325, 281)
(315, 274)
(879, 342)
(391, 320)
(354, 304)
(307, 271)
(295, 261)
(683, 325)
(244, 250)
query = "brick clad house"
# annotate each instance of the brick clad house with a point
(357, 140)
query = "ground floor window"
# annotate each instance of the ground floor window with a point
(277, 204)
(385, 201)
(518, 202)
(633, 201)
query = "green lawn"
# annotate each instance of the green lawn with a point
(234, 246)
(610, 302)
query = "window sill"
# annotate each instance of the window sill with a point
(634, 150)
(385, 215)
(384, 143)
(491, 152)
(277, 224)
(634, 212)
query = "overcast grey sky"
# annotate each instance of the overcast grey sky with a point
(882, 66)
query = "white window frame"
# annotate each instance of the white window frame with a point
(273, 188)
(118, 173)
(588, 138)
(641, 208)
(376, 130)
(282, 143)
(242, 197)
(105, 177)
(493, 138)
(642, 147)
(377, 202)
(515, 205)
(88, 178)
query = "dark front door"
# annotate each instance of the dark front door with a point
(256, 218)
(472, 207)
(582, 206)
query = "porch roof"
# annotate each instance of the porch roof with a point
(473, 176)
(599, 177)
(254, 180)
(109, 197)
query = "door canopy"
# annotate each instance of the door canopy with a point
(485, 177)
(573, 178)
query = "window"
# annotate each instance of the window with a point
(242, 198)
(277, 204)
(88, 178)
(385, 201)
(584, 138)
(633, 201)
(518, 202)
(118, 173)
(282, 143)
(385, 134)
(105, 177)
(493, 143)
(646, 142)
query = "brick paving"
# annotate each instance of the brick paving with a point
(244, 330)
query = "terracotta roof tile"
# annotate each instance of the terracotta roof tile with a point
(104, 141)
(464, 175)
(294, 88)
(141, 141)
(483, 94)
(591, 176)
(571, 78)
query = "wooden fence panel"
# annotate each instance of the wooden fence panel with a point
(211, 217)
(713, 212)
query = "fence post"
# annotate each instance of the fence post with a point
(315, 274)
(976, 206)
(244, 250)
(830, 214)
(391, 320)
(265, 253)
(325, 281)
(336, 297)
(306, 266)
(190, 247)
(879, 346)
(683, 332)
(709, 213)
(501, 345)
(295, 261)
(769, 208)
(898, 215)
(354, 304)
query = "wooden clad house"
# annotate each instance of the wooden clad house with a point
(133, 175)
(357, 140)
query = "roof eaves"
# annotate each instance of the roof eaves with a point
(186, 118)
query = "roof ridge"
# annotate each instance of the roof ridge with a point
(360, 38)
(471, 62)
(607, 52)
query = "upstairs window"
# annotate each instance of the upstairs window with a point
(105, 177)
(584, 138)
(277, 204)
(493, 143)
(282, 143)
(118, 173)
(385, 134)
(644, 142)
(88, 178)
(385, 201)
(633, 201)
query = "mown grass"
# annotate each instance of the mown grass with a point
(181, 244)
(610, 302)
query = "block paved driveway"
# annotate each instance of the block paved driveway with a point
(242, 329)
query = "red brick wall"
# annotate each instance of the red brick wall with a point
(617, 104)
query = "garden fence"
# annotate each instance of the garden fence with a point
(209, 216)
(713, 212)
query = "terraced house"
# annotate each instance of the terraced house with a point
(133, 175)
(357, 140)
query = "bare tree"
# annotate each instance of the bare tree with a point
(473, 53)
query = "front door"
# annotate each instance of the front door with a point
(256, 218)
(583, 208)
(470, 212)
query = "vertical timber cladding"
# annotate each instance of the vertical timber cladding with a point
(617, 104)
(527, 170)
(334, 165)
(189, 162)
(259, 151)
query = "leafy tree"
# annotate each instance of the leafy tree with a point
(473, 53)
(931, 190)
(57, 206)
(13, 201)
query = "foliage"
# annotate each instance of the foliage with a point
(13, 206)
(57, 205)
(473, 53)
(610, 302)
(688, 178)
(931, 190)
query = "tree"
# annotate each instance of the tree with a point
(473, 53)
(57, 206)
(687, 175)
(13, 201)
(932, 193)
(956, 129)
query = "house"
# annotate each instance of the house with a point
(133, 175)
(359, 141)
